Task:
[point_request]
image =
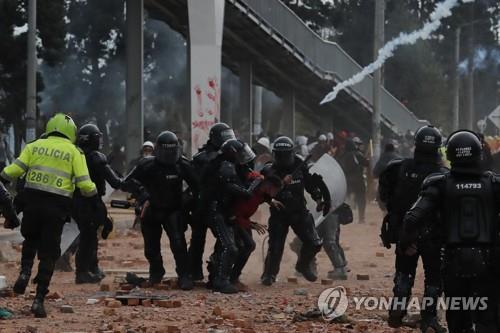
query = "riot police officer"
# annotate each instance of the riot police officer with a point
(289, 210)
(399, 185)
(90, 215)
(53, 166)
(468, 201)
(160, 178)
(219, 133)
(226, 186)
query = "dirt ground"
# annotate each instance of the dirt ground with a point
(262, 309)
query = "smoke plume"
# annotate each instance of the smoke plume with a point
(442, 11)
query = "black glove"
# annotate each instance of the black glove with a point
(12, 222)
(107, 227)
(385, 233)
(344, 213)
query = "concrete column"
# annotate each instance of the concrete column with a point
(246, 100)
(257, 111)
(206, 22)
(134, 79)
(288, 117)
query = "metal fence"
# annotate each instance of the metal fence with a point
(328, 60)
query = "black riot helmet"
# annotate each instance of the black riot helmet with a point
(283, 152)
(220, 133)
(167, 148)
(237, 151)
(428, 139)
(89, 137)
(464, 149)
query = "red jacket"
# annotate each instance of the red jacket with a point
(245, 208)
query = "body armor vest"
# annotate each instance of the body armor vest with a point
(469, 211)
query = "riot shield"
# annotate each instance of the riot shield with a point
(334, 178)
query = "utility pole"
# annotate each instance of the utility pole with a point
(31, 66)
(378, 42)
(469, 124)
(456, 83)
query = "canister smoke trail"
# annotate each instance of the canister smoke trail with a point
(442, 11)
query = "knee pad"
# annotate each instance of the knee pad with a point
(403, 283)
(231, 250)
(178, 243)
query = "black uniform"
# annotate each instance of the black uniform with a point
(353, 163)
(468, 202)
(199, 225)
(294, 215)
(219, 134)
(163, 186)
(90, 214)
(469, 205)
(228, 186)
(399, 186)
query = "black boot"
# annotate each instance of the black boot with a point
(185, 282)
(429, 322)
(220, 281)
(402, 292)
(156, 274)
(305, 261)
(224, 286)
(22, 281)
(197, 274)
(86, 277)
(37, 308)
(98, 272)
(267, 279)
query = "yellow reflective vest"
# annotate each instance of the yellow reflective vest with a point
(53, 165)
(445, 161)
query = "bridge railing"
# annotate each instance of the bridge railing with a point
(327, 59)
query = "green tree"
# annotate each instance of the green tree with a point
(13, 57)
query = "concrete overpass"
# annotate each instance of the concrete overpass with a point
(265, 44)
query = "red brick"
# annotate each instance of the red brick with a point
(109, 312)
(105, 287)
(362, 277)
(326, 282)
(217, 311)
(54, 295)
(114, 304)
(173, 329)
(228, 315)
(133, 301)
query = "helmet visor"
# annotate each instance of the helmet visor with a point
(246, 155)
(168, 154)
(284, 159)
(227, 134)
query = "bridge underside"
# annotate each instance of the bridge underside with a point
(273, 65)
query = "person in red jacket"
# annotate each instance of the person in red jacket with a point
(265, 190)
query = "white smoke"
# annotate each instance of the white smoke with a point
(442, 10)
